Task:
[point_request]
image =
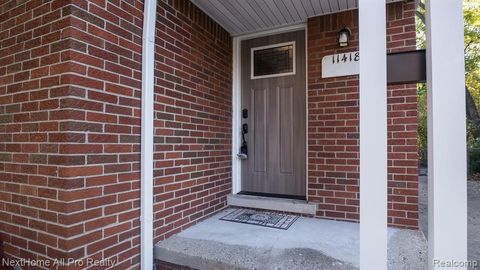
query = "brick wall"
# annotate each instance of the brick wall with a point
(104, 153)
(333, 123)
(35, 122)
(70, 78)
(193, 71)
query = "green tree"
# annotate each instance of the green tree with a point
(471, 10)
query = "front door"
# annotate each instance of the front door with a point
(273, 107)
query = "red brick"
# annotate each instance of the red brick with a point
(333, 121)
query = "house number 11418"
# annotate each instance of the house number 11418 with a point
(342, 64)
(346, 57)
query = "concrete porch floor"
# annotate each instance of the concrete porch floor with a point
(309, 244)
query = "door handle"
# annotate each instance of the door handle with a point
(244, 148)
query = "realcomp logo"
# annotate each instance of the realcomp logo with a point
(455, 263)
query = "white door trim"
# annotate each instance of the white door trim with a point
(237, 98)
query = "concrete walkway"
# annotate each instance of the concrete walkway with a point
(308, 244)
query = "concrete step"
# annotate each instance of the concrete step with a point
(274, 204)
(309, 244)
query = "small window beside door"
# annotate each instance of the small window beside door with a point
(273, 60)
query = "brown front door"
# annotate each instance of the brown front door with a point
(273, 92)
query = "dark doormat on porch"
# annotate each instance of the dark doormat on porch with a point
(261, 218)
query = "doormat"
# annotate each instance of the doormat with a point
(261, 218)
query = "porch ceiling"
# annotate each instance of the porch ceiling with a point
(246, 16)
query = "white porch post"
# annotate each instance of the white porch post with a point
(447, 164)
(373, 135)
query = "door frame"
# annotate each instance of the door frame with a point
(237, 100)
